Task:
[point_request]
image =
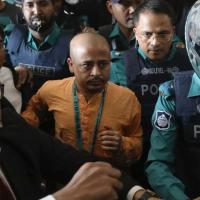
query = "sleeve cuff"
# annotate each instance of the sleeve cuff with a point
(132, 192)
(49, 197)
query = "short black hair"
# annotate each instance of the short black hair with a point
(154, 6)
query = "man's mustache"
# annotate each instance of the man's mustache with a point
(96, 79)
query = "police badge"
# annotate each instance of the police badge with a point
(162, 121)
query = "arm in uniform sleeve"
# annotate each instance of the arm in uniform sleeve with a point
(161, 156)
(37, 108)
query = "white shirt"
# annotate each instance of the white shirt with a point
(10, 92)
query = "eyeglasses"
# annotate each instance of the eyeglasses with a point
(162, 36)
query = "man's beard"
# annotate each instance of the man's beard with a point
(41, 25)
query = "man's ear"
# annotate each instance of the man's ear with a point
(109, 6)
(70, 64)
(135, 32)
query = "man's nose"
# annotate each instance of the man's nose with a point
(131, 9)
(155, 40)
(36, 9)
(95, 70)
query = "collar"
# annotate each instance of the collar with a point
(117, 33)
(50, 39)
(195, 86)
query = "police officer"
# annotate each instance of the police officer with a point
(157, 55)
(40, 45)
(173, 162)
(120, 36)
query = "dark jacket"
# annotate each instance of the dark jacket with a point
(29, 156)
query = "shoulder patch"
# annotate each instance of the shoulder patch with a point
(162, 120)
(9, 28)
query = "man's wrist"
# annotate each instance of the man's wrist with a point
(144, 195)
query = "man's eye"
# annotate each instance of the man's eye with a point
(29, 5)
(103, 65)
(146, 34)
(86, 66)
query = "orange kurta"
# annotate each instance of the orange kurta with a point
(121, 111)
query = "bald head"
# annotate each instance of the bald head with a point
(84, 41)
(90, 62)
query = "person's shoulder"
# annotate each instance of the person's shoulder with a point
(166, 89)
(67, 32)
(130, 51)
(121, 91)
(105, 30)
(54, 84)
(53, 87)
(11, 27)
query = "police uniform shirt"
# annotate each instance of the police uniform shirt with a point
(122, 43)
(49, 41)
(119, 44)
(163, 141)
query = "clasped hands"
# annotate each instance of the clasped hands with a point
(110, 139)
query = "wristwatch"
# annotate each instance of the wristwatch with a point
(146, 195)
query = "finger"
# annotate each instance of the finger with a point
(109, 148)
(22, 74)
(108, 132)
(117, 184)
(30, 76)
(20, 80)
(110, 143)
(110, 138)
(102, 164)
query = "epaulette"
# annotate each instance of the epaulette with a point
(166, 89)
(8, 29)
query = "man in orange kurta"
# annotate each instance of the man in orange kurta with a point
(91, 113)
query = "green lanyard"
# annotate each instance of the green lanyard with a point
(78, 121)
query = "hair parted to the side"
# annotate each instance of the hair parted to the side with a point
(154, 6)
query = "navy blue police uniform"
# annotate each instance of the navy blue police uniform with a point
(46, 64)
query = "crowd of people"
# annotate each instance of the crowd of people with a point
(99, 99)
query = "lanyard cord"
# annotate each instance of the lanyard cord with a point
(78, 121)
